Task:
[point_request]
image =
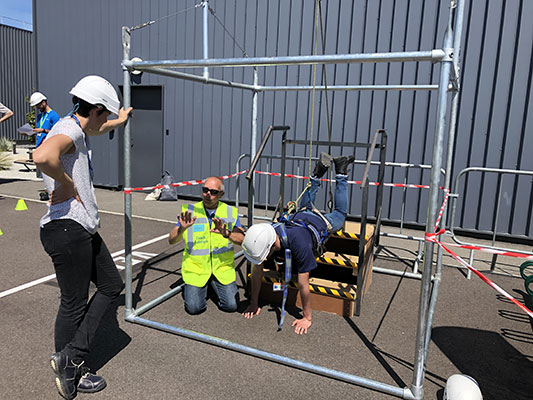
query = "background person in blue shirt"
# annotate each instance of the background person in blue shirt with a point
(46, 119)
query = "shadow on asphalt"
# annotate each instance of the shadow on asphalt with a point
(500, 370)
(149, 264)
(110, 339)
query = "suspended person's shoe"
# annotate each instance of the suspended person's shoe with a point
(322, 165)
(342, 163)
(67, 374)
(89, 382)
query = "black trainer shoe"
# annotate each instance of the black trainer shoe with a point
(67, 373)
(43, 196)
(322, 165)
(90, 383)
(342, 163)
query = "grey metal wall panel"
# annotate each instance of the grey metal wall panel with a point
(209, 127)
(16, 77)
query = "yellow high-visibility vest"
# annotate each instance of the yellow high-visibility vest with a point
(205, 252)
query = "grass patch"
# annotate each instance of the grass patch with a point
(5, 144)
(5, 161)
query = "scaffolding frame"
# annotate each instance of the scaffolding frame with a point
(448, 58)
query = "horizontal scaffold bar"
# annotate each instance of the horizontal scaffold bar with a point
(403, 393)
(429, 55)
(258, 88)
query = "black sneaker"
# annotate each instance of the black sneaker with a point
(90, 383)
(67, 373)
(342, 163)
(322, 165)
(43, 196)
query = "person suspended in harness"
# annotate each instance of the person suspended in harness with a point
(297, 240)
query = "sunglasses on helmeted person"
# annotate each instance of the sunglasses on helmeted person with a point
(213, 192)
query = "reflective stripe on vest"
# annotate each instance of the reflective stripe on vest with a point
(208, 253)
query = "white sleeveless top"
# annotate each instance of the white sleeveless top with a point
(77, 166)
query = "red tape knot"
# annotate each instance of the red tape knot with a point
(432, 237)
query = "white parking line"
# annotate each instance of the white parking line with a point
(50, 277)
(99, 210)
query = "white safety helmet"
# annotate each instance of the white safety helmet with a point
(96, 90)
(36, 98)
(461, 387)
(258, 241)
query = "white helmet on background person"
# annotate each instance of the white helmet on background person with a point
(461, 387)
(96, 90)
(257, 242)
(36, 98)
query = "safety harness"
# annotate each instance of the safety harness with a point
(320, 236)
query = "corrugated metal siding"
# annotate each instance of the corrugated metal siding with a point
(495, 121)
(16, 77)
(209, 127)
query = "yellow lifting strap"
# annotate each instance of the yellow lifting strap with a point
(293, 205)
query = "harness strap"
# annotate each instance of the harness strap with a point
(288, 271)
(317, 212)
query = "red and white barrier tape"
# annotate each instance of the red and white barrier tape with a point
(177, 184)
(198, 182)
(349, 182)
(447, 191)
(432, 237)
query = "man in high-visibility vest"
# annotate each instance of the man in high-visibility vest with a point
(209, 229)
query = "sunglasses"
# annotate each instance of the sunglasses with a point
(213, 192)
(101, 109)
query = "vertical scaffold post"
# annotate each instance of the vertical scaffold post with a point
(126, 39)
(438, 146)
(449, 158)
(205, 37)
(253, 145)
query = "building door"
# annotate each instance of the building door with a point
(146, 135)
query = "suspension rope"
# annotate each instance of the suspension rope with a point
(244, 53)
(293, 205)
(148, 23)
(330, 190)
(313, 91)
(196, 6)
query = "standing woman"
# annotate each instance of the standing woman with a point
(69, 231)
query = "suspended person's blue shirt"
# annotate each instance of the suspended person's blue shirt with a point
(45, 121)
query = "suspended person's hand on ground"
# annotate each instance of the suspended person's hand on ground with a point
(251, 311)
(301, 325)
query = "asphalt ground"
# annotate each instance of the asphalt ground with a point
(476, 331)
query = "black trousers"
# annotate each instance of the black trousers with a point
(79, 258)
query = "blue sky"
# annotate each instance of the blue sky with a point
(16, 13)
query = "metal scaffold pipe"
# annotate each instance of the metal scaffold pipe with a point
(126, 38)
(415, 56)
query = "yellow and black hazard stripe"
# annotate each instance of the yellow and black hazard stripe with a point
(315, 288)
(336, 261)
(331, 292)
(348, 235)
